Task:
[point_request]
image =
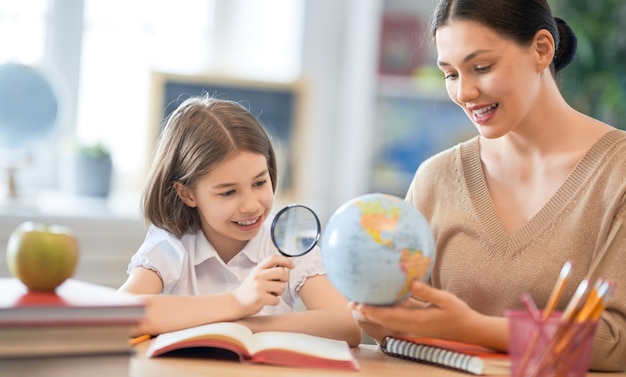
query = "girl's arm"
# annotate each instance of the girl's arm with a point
(167, 313)
(445, 317)
(327, 314)
(262, 286)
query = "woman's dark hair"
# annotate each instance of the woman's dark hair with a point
(519, 20)
(199, 135)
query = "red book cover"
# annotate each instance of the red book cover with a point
(466, 348)
(73, 302)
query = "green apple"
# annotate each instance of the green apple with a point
(42, 256)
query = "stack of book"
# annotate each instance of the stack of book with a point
(79, 329)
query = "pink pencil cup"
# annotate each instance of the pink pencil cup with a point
(544, 348)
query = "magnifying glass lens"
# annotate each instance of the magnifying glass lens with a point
(295, 230)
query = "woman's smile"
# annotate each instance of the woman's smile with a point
(482, 114)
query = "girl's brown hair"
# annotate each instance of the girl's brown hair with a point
(199, 135)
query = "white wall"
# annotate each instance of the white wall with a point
(339, 69)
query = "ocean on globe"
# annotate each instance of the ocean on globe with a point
(28, 105)
(374, 246)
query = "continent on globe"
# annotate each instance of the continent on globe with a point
(376, 219)
(415, 265)
(374, 246)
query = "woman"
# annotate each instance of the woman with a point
(540, 185)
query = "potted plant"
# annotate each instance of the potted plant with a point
(88, 170)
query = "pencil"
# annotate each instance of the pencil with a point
(139, 339)
(604, 294)
(558, 289)
(576, 302)
(569, 337)
(594, 300)
(539, 317)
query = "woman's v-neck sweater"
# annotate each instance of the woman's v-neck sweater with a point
(489, 268)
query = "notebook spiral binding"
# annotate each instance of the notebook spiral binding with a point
(427, 354)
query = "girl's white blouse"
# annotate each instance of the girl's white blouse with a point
(190, 265)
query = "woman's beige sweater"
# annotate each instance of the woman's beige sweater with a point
(480, 262)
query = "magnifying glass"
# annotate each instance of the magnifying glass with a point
(295, 230)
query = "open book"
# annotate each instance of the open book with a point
(268, 347)
(461, 356)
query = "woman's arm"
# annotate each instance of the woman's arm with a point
(445, 317)
(327, 314)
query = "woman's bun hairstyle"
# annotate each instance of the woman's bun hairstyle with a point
(566, 48)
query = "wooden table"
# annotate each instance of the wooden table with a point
(371, 360)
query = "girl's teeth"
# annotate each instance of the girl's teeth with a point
(247, 222)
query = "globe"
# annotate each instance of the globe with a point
(28, 111)
(374, 246)
(28, 105)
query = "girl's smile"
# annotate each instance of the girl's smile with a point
(250, 224)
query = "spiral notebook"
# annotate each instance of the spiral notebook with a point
(464, 357)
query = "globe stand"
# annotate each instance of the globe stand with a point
(10, 195)
(11, 191)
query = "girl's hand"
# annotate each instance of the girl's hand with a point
(263, 286)
(429, 313)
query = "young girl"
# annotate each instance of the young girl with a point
(208, 255)
(540, 185)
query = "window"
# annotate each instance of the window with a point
(123, 41)
(23, 31)
(26, 22)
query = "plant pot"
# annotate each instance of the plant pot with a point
(87, 175)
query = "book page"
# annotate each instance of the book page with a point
(325, 348)
(203, 335)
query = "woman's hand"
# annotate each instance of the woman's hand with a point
(263, 286)
(430, 312)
